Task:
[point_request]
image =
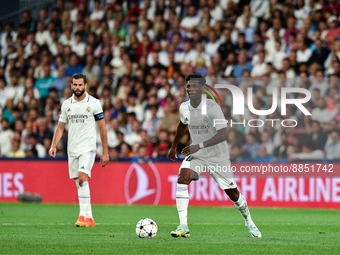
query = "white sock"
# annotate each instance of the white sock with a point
(84, 200)
(77, 183)
(242, 207)
(182, 202)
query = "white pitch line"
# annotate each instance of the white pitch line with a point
(132, 224)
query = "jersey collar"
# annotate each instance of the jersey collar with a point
(199, 107)
(86, 98)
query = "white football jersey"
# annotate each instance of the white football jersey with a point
(81, 117)
(201, 129)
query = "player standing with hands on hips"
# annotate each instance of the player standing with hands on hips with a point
(81, 111)
(207, 152)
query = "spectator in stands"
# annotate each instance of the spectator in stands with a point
(97, 12)
(321, 113)
(212, 46)
(239, 25)
(42, 36)
(153, 122)
(60, 82)
(251, 146)
(134, 136)
(237, 153)
(43, 16)
(45, 83)
(74, 66)
(125, 151)
(15, 90)
(43, 134)
(267, 142)
(16, 151)
(190, 23)
(242, 65)
(333, 31)
(281, 150)
(106, 55)
(291, 28)
(141, 156)
(161, 151)
(262, 155)
(91, 70)
(260, 67)
(114, 155)
(35, 149)
(3, 93)
(134, 107)
(318, 136)
(332, 150)
(309, 152)
(320, 54)
(242, 45)
(112, 133)
(5, 138)
(304, 52)
(172, 117)
(26, 20)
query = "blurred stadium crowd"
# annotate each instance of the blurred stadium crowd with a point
(136, 55)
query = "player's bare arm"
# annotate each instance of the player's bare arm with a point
(181, 130)
(56, 138)
(104, 159)
(220, 136)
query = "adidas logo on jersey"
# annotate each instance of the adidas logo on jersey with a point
(186, 119)
(82, 167)
(69, 109)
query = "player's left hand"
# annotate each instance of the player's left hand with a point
(190, 149)
(104, 159)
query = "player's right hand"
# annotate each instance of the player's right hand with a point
(52, 152)
(172, 155)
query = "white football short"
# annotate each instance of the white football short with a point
(221, 171)
(81, 163)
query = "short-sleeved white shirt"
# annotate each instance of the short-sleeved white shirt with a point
(201, 129)
(81, 117)
(189, 22)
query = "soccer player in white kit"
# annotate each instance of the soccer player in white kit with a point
(208, 152)
(81, 111)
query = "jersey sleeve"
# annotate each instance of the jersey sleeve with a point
(183, 118)
(63, 114)
(98, 111)
(217, 114)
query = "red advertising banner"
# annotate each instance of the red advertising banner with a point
(155, 184)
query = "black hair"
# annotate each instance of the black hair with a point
(33, 136)
(54, 89)
(154, 106)
(195, 76)
(309, 144)
(2, 78)
(133, 114)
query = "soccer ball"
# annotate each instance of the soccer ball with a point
(146, 228)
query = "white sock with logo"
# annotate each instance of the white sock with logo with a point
(182, 202)
(84, 200)
(242, 207)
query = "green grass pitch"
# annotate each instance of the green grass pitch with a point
(49, 229)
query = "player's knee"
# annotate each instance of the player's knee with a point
(82, 177)
(233, 194)
(183, 180)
